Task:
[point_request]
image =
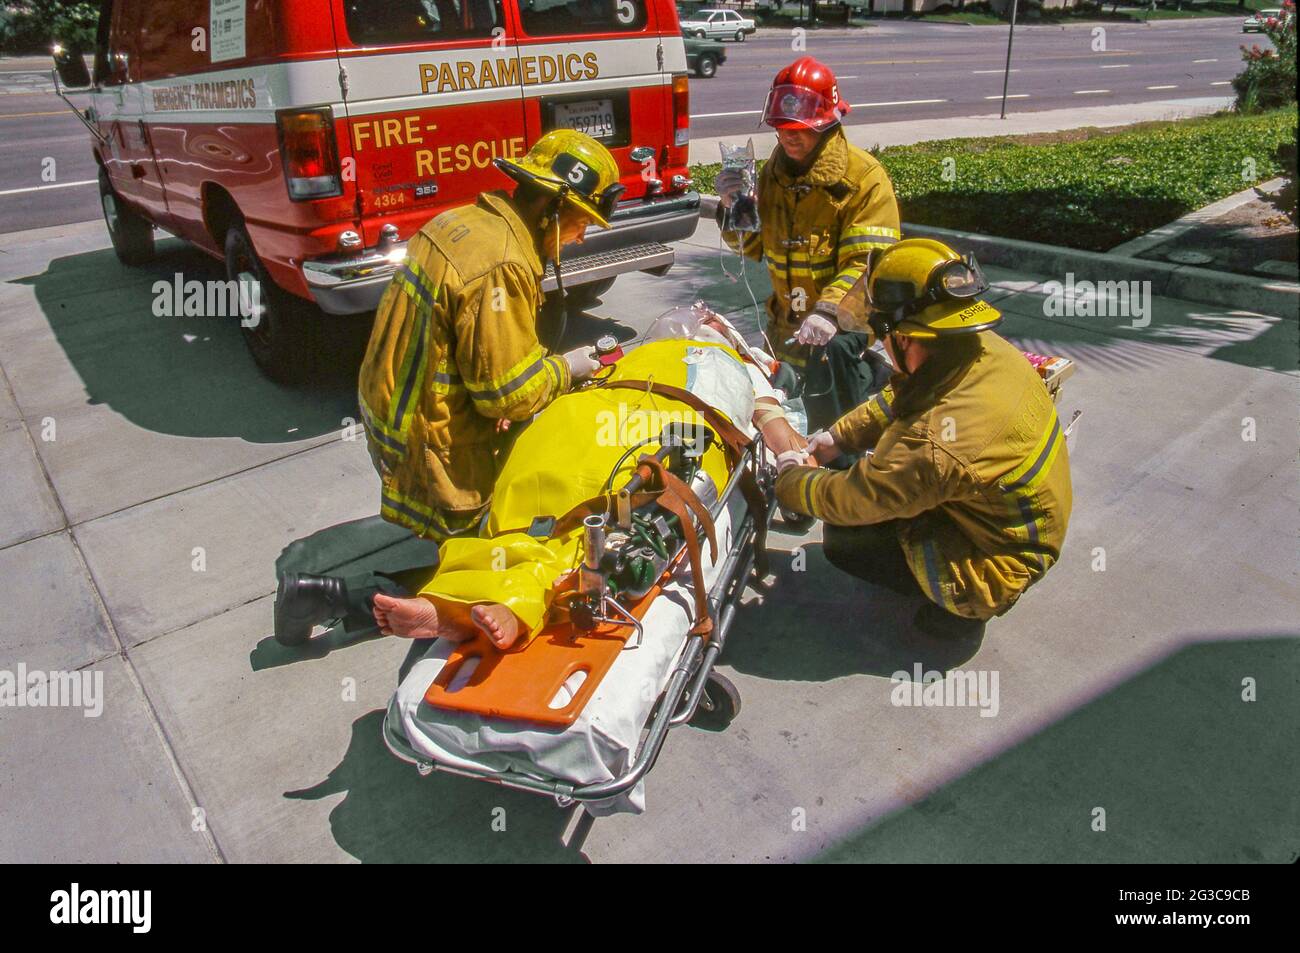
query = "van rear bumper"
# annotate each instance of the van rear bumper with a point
(633, 242)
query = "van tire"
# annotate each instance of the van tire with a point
(132, 234)
(584, 296)
(285, 341)
(707, 67)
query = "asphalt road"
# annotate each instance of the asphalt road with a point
(915, 70)
(888, 72)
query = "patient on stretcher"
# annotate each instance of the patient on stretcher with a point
(500, 582)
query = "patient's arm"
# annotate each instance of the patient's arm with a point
(778, 435)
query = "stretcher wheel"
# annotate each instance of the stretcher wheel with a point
(719, 705)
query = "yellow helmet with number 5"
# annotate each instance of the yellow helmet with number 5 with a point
(923, 289)
(575, 167)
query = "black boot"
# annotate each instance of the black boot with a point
(942, 624)
(302, 601)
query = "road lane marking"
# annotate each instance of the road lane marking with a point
(42, 188)
(1085, 92)
(1116, 66)
(899, 102)
(1222, 82)
(52, 112)
(1010, 96)
(743, 112)
(1205, 61)
(978, 71)
(1162, 87)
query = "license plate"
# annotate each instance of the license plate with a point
(594, 117)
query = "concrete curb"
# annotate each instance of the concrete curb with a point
(1237, 292)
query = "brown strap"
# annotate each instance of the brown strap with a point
(603, 504)
(735, 442)
(677, 499)
(732, 437)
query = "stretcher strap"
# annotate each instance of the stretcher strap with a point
(677, 498)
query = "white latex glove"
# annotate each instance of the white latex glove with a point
(817, 329)
(791, 458)
(822, 447)
(728, 183)
(582, 362)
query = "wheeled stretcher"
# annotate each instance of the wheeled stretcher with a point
(662, 677)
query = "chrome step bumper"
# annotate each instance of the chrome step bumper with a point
(633, 242)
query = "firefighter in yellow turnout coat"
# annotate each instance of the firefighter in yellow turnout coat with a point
(966, 494)
(824, 205)
(454, 351)
(454, 348)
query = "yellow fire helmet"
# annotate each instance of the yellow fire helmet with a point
(574, 166)
(923, 289)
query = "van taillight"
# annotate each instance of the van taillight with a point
(311, 160)
(681, 110)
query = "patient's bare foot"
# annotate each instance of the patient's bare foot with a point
(414, 619)
(497, 622)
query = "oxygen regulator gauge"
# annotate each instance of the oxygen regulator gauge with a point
(608, 351)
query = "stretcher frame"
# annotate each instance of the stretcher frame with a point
(684, 693)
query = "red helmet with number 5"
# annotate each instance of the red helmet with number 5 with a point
(804, 95)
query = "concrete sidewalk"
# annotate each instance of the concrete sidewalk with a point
(152, 478)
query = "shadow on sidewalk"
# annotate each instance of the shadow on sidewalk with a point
(1187, 763)
(392, 815)
(188, 376)
(818, 623)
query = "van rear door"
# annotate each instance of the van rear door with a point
(597, 66)
(432, 96)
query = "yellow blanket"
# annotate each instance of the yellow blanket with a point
(566, 455)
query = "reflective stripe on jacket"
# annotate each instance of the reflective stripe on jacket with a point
(979, 478)
(817, 231)
(454, 348)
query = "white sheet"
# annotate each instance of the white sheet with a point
(601, 743)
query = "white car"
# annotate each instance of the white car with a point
(1255, 22)
(719, 25)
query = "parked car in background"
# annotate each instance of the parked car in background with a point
(719, 25)
(703, 56)
(1255, 22)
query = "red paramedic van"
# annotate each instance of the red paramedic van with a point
(304, 141)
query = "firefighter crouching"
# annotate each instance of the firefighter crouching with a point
(824, 205)
(966, 497)
(454, 356)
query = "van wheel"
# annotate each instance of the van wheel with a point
(584, 296)
(281, 332)
(740, 36)
(132, 235)
(707, 68)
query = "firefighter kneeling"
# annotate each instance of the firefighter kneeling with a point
(965, 495)
(454, 353)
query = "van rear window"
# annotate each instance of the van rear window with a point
(558, 17)
(420, 21)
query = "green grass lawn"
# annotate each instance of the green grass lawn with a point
(1083, 188)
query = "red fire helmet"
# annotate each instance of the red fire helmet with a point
(804, 94)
